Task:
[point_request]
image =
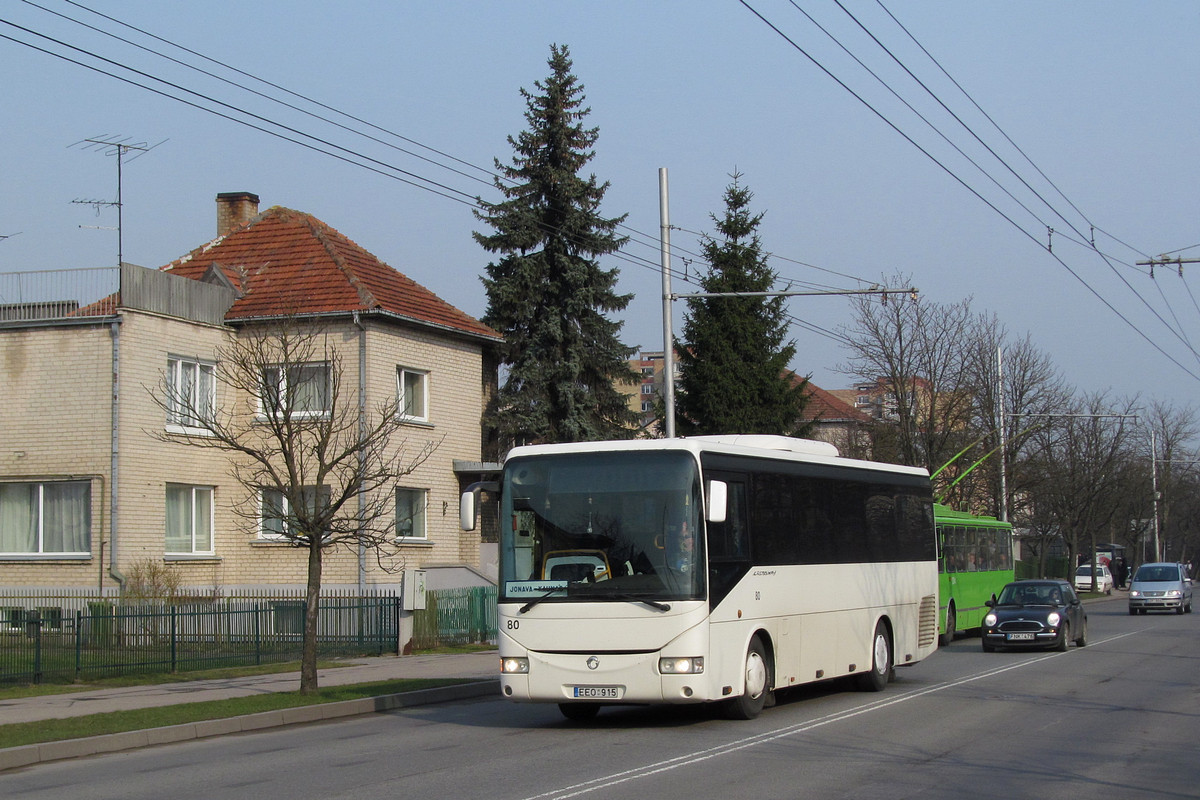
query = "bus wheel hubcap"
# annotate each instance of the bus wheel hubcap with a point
(756, 674)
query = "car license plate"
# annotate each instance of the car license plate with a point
(596, 692)
(1019, 637)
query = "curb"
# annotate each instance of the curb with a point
(26, 755)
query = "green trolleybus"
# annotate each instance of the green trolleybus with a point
(707, 570)
(975, 561)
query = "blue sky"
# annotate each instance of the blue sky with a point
(1100, 96)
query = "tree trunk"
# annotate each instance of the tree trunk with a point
(308, 655)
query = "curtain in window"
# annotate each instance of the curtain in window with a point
(67, 517)
(311, 388)
(273, 514)
(179, 519)
(18, 518)
(202, 499)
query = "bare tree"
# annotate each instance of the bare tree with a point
(1031, 385)
(916, 349)
(1174, 434)
(1083, 454)
(316, 465)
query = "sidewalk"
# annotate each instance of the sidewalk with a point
(480, 668)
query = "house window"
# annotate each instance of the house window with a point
(647, 388)
(297, 390)
(410, 513)
(189, 519)
(12, 617)
(413, 388)
(277, 520)
(52, 518)
(191, 392)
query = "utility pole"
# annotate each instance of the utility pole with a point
(668, 335)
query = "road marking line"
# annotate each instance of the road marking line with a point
(698, 756)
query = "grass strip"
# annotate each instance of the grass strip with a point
(23, 733)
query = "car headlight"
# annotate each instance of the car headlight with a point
(990, 620)
(681, 666)
(514, 666)
(1053, 618)
(1134, 593)
(1174, 593)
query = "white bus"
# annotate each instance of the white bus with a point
(707, 569)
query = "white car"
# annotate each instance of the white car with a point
(1104, 579)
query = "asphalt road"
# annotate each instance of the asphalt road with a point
(1119, 718)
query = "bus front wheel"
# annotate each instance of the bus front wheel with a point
(758, 684)
(881, 661)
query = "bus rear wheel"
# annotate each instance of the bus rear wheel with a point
(758, 684)
(881, 661)
(951, 622)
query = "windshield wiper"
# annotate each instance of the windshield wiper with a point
(625, 596)
(633, 598)
(537, 600)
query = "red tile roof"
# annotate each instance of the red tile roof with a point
(825, 407)
(289, 262)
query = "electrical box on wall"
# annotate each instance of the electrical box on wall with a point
(412, 590)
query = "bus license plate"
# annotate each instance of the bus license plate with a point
(596, 692)
(1020, 637)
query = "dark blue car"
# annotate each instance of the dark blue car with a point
(1035, 613)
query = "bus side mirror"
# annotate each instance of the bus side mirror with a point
(468, 504)
(718, 501)
(467, 511)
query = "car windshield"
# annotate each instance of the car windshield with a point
(1031, 594)
(1082, 571)
(588, 527)
(1157, 573)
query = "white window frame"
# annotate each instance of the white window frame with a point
(406, 377)
(279, 375)
(285, 509)
(37, 516)
(419, 518)
(200, 508)
(199, 379)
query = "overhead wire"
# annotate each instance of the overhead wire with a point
(315, 143)
(796, 46)
(1178, 332)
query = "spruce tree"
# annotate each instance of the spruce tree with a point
(547, 295)
(734, 353)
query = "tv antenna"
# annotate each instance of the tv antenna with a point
(113, 145)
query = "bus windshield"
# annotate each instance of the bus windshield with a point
(613, 526)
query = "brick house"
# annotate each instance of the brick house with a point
(90, 486)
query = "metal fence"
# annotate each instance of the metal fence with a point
(456, 617)
(105, 638)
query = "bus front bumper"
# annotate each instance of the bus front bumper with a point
(601, 678)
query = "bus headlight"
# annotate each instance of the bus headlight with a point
(681, 666)
(514, 666)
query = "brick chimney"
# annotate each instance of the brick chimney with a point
(235, 209)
